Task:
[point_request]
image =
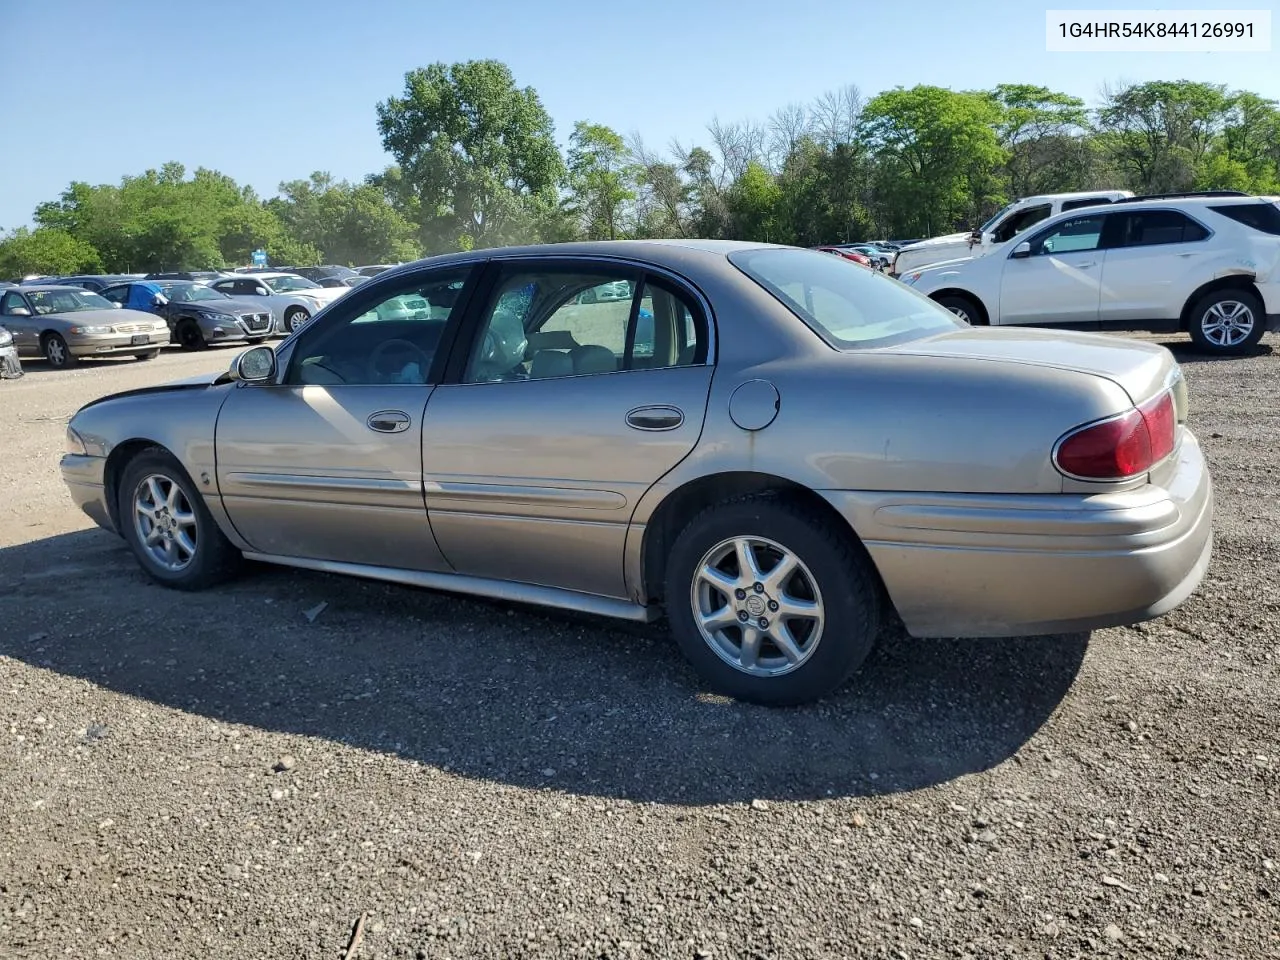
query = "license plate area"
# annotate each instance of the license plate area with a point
(140, 338)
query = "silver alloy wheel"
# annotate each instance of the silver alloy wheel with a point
(55, 352)
(165, 522)
(757, 606)
(960, 312)
(1227, 323)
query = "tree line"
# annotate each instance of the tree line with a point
(476, 164)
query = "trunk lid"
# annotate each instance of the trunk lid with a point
(1142, 370)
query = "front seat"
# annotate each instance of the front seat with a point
(592, 358)
(550, 363)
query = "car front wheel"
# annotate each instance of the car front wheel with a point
(1227, 321)
(57, 353)
(168, 527)
(294, 319)
(770, 602)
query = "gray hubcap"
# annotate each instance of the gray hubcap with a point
(1227, 323)
(54, 352)
(165, 522)
(960, 312)
(757, 606)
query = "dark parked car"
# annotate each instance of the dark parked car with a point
(197, 314)
(320, 274)
(188, 275)
(98, 282)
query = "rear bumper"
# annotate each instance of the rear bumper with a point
(962, 565)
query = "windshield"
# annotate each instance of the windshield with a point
(67, 301)
(286, 284)
(847, 305)
(990, 224)
(190, 292)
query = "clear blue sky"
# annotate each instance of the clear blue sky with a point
(267, 92)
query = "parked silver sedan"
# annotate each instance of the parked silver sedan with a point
(799, 445)
(66, 324)
(292, 299)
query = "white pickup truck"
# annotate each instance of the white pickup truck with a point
(1008, 222)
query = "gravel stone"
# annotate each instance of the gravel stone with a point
(425, 725)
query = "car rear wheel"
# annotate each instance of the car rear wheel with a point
(769, 603)
(295, 318)
(168, 527)
(149, 355)
(962, 307)
(190, 336)
(1227, 321)
(56, 351)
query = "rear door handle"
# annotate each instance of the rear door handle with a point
(657, 417)
(388, 421)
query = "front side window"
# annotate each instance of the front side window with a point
(566, 323)
(11, 302)
(1145, 228)
(1022, 220)
(1069, 236)
(1084, 202)
(848, 306)
(395, 339)
(117, 294)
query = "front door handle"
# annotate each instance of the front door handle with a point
(388, 421)
(658, 417)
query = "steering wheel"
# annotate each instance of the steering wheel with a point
(404, 346)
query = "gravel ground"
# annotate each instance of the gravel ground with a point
(222, 774)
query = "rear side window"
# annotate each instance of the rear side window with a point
(1083, 202)
(1144, 228)
(847, 305)
(1261, 216)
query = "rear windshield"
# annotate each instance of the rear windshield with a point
(848, 305)
(1260, 216)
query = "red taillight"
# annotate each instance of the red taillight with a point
(1123, 446)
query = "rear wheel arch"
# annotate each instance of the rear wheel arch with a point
(679, 507)
(981, 316)
(1235, 281)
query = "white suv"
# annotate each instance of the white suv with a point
(1009, 220)
(1207, 263)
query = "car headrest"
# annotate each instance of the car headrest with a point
(550, 363)
(593, 359)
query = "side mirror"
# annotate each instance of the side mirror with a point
(262, 291)
(118, 306)
(20, 312)
(1022, 250)
(159, 300)
(256, 365)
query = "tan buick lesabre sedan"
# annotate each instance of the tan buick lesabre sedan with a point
(65, 324)
(772, 445)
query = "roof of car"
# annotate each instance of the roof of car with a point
(640, 249)
(26, 288)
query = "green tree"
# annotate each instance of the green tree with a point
(474, 148)
(753, 205)
(1043, 134)
(602, 179)
(46, 250)
(343, 222)
(936, 151)
(1160, 133)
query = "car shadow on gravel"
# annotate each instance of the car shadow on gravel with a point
(1186, 353)
(511, 695)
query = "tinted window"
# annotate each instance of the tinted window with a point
(1069, 236)
(394, 339)
(1260, 216)
(117, 294)
(1143, 228)
(10, 301)
(847, 305)
(1083, 202)
(1020, 221)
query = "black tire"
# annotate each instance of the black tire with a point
(215, 558)
(294, 317)
(56, 352)
(149, 355)
(254, 341)
(1202, 314)
(190, 336)
(963, 307)
(846, 583)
